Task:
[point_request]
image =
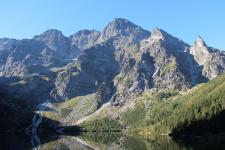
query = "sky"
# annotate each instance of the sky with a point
(185, 19)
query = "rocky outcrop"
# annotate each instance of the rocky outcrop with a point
(116, 64)
(50, 49)
(121, 28)
(25, 59)
(92, 68)
(212, 60)
(155, 64)
(58, 43)
(85, 38)
(169, 55)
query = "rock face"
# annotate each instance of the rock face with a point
(85, 38)
(27, 63)
(157, 63)
(121, 61)
(50, 49)
(92, 68)
(58, 43)
(122, 28)
(212, 60)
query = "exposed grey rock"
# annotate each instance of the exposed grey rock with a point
(212, 60)
(50, 49)
(57, 42)
(157, 63)
(93, 67)
(123, 28)
(22, 59)
(118, 63)
(85, 38)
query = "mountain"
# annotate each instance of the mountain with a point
(93, 68)
(19, 58)
(198, 112)
(122, 28)
(85, 38)
(211, 59)
(90, 69)
(57, 42)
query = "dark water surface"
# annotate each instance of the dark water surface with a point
(105, 141)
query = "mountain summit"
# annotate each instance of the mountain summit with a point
(121, 61)
(124, 28)
(200, 41)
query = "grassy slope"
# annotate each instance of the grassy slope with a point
(73, 109)
(67, 106)
(178, 113)
(168, 112)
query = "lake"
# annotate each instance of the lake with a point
(105, 141)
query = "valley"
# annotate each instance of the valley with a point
(112, 88)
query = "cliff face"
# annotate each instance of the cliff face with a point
(121, 61)
(211, 59)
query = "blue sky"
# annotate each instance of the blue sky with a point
(185, 19)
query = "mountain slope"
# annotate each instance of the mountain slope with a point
(117, 65)
(211, 59)
(200, 111)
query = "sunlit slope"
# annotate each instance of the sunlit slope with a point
(197, 111)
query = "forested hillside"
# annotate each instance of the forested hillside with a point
(199, 111)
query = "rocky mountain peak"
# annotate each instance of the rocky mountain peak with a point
(123, 27)
(85, 32)
(200, 47)
(53, 38)
(159, 34)
(200, 41)
(126, 57)
(120, 23)
(57, 43)
(205, 55)
(164, 39)
(50, 34)
(53, 32)
(85, 38)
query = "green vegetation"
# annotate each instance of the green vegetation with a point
(89, 103)
(134, 117)
(203, 103)
(168, 67)
(65, 111)
(51, 115)
(165, 94)
(67, 107)
(199, 111)
(134, 143)
(70, 103)
(101, 138)
(81, 105)
(53, 144)
(102, 125)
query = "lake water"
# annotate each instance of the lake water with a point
(106, 141)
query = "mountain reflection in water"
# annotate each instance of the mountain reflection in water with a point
(104, 141)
